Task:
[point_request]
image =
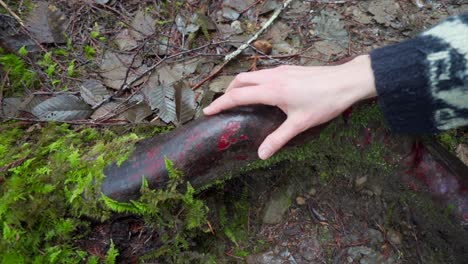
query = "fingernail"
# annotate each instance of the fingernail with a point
(264, 153)
(207, 110)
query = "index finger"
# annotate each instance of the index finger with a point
(237, 97)
(250, 79)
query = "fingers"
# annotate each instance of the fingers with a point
(237, 97)
(250, 79)
(276, 140)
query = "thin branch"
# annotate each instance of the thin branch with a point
(239, 50)
(270, 21)
(13, 14)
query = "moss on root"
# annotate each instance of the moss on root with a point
(50, 192)
(341, 148)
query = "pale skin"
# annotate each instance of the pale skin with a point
(309, 96)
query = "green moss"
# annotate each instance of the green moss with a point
(339, 150)
(51, 183)
(20, 75)
(449, 139)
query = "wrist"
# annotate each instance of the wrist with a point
(361, 78)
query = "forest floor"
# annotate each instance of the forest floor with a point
(142, 67)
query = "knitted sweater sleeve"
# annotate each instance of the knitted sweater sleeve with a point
(422, 83)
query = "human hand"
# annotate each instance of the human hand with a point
(309, 96)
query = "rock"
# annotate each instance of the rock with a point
(310, 250)
(361, 17)
(225, 30)
(300, 200)
(268, 257)
(364, 255)
(394, 237)
(330, 26)
(312, 192)
(375, 237)
(384, 11)
(376, 189)
(359, 182)
(230, 14)
(237, 27)
(277, 206)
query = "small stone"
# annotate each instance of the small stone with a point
(312, 192)
(237, 27)
(375, 237)
(394, 237)
(300, 200)
(376, 189)
(360, 181)
(277, 206)
(230, 13)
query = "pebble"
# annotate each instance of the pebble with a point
(312, 192)
(230, 13)
(300, 200)
(360, 181)
(394, 237)
(237, 27)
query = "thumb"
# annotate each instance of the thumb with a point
(279, 138)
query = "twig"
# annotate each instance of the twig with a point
(239, 50)
(13, 164)
(250, 6)
(13, 14)
(20, 21)
(127, 86)
(270, 21)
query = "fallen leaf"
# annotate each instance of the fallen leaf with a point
(46, 23)
(93, 92)
(219, 84)
(137, 113)
(125, 41)
(185, 104)
(185, 27)
(114, 67)
(143, 25)
(10, 107)
(263, 46)
(31, 101)
(62, 108)
(162, 97)
(105, 109)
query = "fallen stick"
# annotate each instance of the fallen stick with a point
(229, 57)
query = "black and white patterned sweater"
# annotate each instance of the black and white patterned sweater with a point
(422, 83)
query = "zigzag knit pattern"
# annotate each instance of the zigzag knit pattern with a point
(422, 83)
